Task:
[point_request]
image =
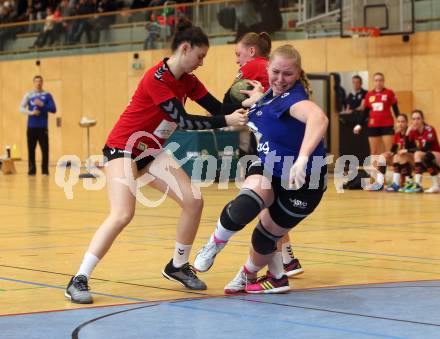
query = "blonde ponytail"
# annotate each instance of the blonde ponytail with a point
(306, 83)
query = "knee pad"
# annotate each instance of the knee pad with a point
(418, 168)
(382, 169)
(263, 241)
(405, 169)
(429, 162)
(242, 210)
(428, 158)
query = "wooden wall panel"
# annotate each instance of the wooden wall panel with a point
(405, 101)
(425, 43)
(92, 78)
(313, 54)
(219, 70)
(397, 71)
(2, 145)
(217, 74)
(14, 123)
(100, 86)
(346, 55)
(426, 72)
(115, 88)
(433, 112)
(71, 110)
(426, 85)
(50, 68)
(388, 46)
(424, 100)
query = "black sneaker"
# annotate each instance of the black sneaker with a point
(293, 268)
(186, 275)
(78, 290)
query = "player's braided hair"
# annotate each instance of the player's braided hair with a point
(306, 82)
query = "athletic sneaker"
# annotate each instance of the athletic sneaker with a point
(185, 275)
(238, 284)
(433, 189)
(408, 185)
(205, 258)
(393, 188)
(414, 188)
(78, 290)
(374, 187)
(269, 284)
(293, 268)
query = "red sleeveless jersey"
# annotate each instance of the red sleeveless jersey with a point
(380, 104)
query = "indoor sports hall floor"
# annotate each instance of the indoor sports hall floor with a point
(371, 260)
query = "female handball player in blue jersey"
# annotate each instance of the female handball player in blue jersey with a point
(288, 181)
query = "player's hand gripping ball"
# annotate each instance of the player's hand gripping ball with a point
(236, 96)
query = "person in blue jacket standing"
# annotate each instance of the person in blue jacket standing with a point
(36, 104)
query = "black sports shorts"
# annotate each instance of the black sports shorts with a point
(379, 131)
(111, 153)
(291, 206)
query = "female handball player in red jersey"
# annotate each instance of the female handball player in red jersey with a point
(426, 153)
(379, 102)
(402, 159)
(153, 113)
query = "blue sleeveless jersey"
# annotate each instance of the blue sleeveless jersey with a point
(279, 134)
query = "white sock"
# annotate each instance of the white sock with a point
(250, 267)
(396, 178)
(380, 179)
(88, 265)
(418, 177)
(221, 234)
(287, 252)
(181, 254)
(435, 182)
(276, 267)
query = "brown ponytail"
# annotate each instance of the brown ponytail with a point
(186, 32)
(260, 41)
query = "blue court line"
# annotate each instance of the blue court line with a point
(342, 312)
(193, 292)
(78, 328)
(284, 321)
(63, 288)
